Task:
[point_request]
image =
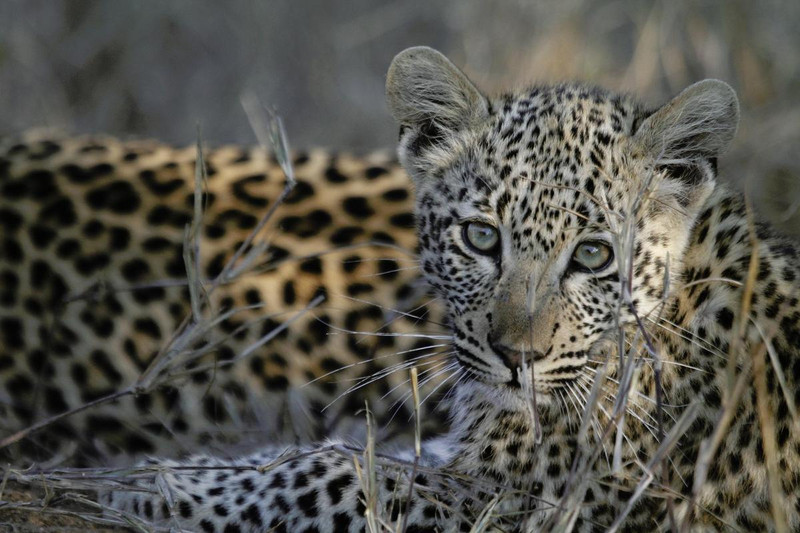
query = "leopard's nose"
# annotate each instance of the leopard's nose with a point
(512, 357)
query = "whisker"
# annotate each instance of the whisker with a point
(373, 359)
(458, 372)
(372, 378)
(702, 343)
(379, 334)
(407, 314)
(436, 364)
(651, 360)
(638, 394)
(398, 404)
(466, 375)
(376, 259)
(582, 409)
(383, 273)
(652, 429)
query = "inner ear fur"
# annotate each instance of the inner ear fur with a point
(431, 96)
(688, 133)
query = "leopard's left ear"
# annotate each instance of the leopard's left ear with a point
(690, 131)
(431, 98)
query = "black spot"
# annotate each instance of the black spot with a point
(334, 176)
(253, 297)
(76, 174)
(337, 485)
(87, 264)
(10, 220)
(300, 480)
(308, 503)
(68, 248)
(276, 253)
(118, 196)
(301, 191)
(388, 269)
(375, 172)
(276, 383)
(725, 318)
(220, 510)
(160, 188)
(214, 231)
(101, 170)
(19, 385)
(135, 270)
(14, 190)
(395, 195)
(162, 214)
(289, 293)
(40, 184)
(215, 266)
(214, 409)
(351, 263)
(60, 212)
(41, 236)
(345, 235)
(54, 401)
(40, 273)
(357, 289)
(402, 220)
(240, 191)
(156, 244)
(252, 514)
(358, 207)
(12, 251)
(148, 326)
(277, 481)
(307, 226)
(312, 265)
(383, 237)
(102, 362)
(247, 485)
(120, 238)
(341, 523)
(93, 228)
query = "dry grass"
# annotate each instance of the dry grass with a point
(653, 50)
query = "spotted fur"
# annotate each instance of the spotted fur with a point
(535, 336)
(93, 284)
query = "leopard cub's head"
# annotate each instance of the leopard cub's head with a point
(535, 209)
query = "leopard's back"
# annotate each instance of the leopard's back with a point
(93, 285)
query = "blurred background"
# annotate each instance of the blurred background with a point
(156, 69)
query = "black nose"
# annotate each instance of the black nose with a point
(512, 357)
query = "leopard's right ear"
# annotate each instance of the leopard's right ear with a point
(431, 98)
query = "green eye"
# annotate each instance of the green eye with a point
(482, 237)
(592, 255)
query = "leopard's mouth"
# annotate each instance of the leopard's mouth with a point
(485, 368)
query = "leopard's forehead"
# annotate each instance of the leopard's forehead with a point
(552, 127)
(538, 163)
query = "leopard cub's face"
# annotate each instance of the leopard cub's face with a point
(534, 211)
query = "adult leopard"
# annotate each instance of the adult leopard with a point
(93, 287)
(631, 336)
